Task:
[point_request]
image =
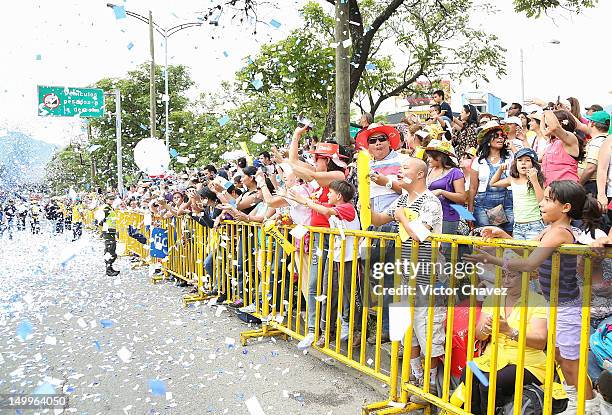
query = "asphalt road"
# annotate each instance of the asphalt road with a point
(121, 345)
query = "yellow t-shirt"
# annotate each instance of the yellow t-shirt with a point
(507, 352)
(76, 214)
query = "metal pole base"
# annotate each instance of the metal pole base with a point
(265, 331)
(194, 298)
(388, 408)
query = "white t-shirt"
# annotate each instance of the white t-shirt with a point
(482, 167)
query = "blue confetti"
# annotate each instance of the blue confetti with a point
(144, 127)
(130, 46)
(97, 345)
(24, 329)
(44, 389)
(223, 120)
(225, 54)
(173, 153)
(38, 57)
(105, 323)
(370, 67)
(463, 212)
(275, 24)
(119, 12)
(158, 387)
(257, 83)
(245, 351)
(70, 389)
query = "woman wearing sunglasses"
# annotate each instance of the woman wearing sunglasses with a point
(490, 205)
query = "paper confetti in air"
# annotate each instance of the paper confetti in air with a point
(119, 12)
(275, 24)
(130, 46)
(223, 120)
(24, 329)
(257, 83)
(50, 340)
(259, 138)
(157, 387)
(106, 323)
(44, 389)
(124, 354)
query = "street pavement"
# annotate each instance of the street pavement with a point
(121, 345)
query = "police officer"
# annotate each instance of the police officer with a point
(109, 233)
(35, 212)
(10, 211)
(77, 219)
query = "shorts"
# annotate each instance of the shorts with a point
(569, 329)
(527, 230)
(421, 318)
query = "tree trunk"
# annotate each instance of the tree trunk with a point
(330, 121)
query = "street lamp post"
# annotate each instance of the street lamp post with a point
(552, 42)
(165, 33)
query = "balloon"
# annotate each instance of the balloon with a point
(151, 156)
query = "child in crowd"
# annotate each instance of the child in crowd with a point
(342, 216)
(525, 181)
(564, 201)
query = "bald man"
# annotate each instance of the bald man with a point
(428, 211)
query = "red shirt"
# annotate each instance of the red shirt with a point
(316, 219)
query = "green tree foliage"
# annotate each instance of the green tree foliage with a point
(535, 8)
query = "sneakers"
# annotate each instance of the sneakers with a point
(344, 331)
(591, 406)
(112, 272)
(321, 342)
(384, 338)
(306, 342)
(572, 397)
(249, 309)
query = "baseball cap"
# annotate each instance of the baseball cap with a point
(526, 151)
(599, 117)
(513, 120)
(594, 107)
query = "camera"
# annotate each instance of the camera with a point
(304, 122)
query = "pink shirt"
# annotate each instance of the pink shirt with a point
(557, 164)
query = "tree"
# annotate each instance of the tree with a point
(535, 8)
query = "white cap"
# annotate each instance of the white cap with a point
(513, 120)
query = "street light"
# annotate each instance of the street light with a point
(552, 42)
(165, 33)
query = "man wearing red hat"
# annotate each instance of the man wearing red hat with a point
(382, 141)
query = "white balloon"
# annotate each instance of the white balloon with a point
(151, 156)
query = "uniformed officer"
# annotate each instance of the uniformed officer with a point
(109, 233)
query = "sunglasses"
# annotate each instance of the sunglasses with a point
(374, 140)
(318, 157)
(500, 134)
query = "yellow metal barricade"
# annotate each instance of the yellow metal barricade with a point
(325, 283)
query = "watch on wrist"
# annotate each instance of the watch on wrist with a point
(514, 335)
(389, 184)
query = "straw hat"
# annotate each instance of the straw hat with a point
(442, 146)
(491, 126)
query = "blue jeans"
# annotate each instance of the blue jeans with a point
(314, 277)
(527, 230)
(208, 268)
(490, 199)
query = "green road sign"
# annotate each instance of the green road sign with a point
(59, 101)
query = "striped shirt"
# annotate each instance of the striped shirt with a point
(568, 280)
(429, 209)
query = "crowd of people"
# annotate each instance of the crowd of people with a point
(61, 213)
(541, 172)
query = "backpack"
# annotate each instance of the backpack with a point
(533, 403)
(601, 343)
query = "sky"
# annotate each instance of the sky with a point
(76, 42)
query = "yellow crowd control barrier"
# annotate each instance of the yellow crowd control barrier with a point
(328, 282)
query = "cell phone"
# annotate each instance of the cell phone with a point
(304, 122)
